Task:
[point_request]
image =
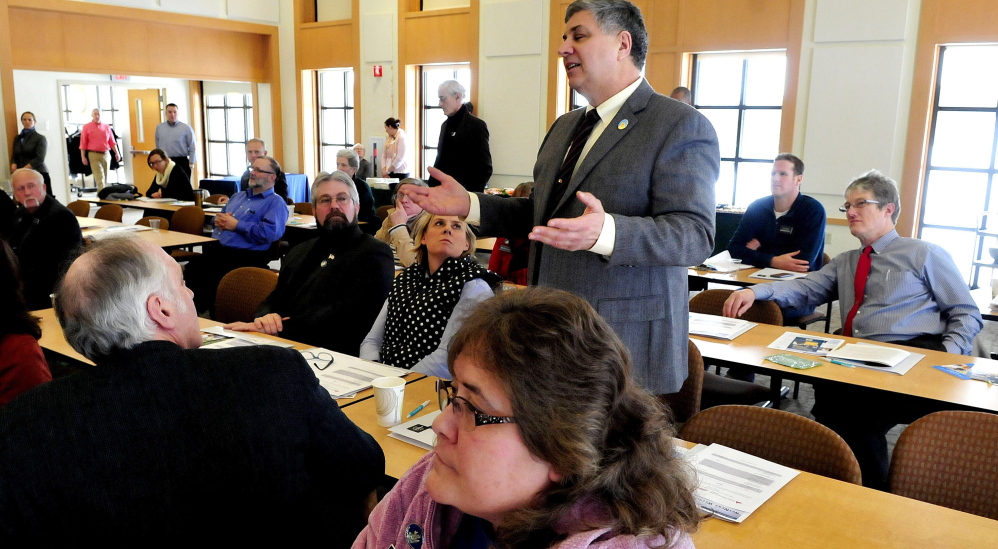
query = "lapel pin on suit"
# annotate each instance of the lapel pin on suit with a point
(622, 125)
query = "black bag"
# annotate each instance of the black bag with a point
(114, 189)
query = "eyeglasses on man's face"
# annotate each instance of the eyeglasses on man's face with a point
(341, 200)
(467, 415)
(258, 170)
(859, 205)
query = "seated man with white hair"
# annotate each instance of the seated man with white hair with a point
(163, 442)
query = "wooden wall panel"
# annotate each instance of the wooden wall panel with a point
(43, 31)
(329, 46)
(746, 24)
(662, 70)
(444, 38)
(664, 17)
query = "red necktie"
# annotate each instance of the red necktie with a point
(862, 273)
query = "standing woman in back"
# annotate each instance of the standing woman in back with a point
(29, 150)
(396, 151)
(22, 364)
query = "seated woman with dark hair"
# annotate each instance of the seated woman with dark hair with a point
(545, 440)
(22, 364)
(171, 180)
(428, 300)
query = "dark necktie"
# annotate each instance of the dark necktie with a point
(582, 134)
(862, 273)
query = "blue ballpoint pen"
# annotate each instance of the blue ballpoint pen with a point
(418, 408)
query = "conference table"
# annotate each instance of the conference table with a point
(750, 349)
(700, 277)
(168, 240)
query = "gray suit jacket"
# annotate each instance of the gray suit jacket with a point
(654, 168)
(32, 151)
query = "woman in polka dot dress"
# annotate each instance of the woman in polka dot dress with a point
(430, 299)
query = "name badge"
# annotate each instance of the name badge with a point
(786, 229)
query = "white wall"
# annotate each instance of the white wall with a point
(264, 11)
(379, 96)
(333, 10)
(40, 92)
(289, 88)
(854, 93)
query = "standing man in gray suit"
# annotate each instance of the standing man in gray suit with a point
(624, 198)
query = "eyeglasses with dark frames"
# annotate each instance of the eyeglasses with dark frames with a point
(258, 170)
(464, 409)
(859, 205)
(320, 361)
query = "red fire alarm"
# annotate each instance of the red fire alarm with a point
(377, 71)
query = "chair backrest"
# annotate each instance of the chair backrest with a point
(686, 403)
(164, 223)
(382, 211)
(80, 208)
(303, 208)
(189, 219)
(825, 259)
(949, 459)
(110, 212)
(711, 302)
(241, 292)
(785, 438)
(215, 198)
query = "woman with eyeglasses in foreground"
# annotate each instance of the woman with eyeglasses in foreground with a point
(430, 299)
(545, 441)
(171, 180)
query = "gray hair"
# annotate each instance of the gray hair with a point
(342, 177)
(408, 181)
(35, 175)
(884, 189)
(352, 159)
(257, 140)
(614, 16)
(106, 313)
(274, 166)
(453, 87)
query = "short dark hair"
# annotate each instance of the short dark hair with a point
(393, 123)
(614, 16)
(168, 105)
(161, 153)
(884, 189)
(568, 378)
(797, 162)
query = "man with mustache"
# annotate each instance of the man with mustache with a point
(331, 288)
(43, 233)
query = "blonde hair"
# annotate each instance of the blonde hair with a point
(419, 229)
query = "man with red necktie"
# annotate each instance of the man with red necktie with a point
(892, 289)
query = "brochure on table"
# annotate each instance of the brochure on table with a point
(731, 485)
(770, 273)
(876, 357)
(418, 432)
(718, 326)
(724, 263)
(803, 343)
(987, 372)
(219, 338)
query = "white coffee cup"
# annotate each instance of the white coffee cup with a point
(291, 210)
(388, 393)
(154, 225)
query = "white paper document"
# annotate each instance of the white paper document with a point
(731, 485)
(770, 273)
(876, 357)
(418, 432)
(148, 199)
(718, 326)
(723, 263)
(347, 374)
(803, 343)
(223, 339)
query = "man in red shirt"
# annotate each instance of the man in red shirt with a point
(96, 140)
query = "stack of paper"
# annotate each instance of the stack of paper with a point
(348, 374)
(770, 273)
(731, 484)
(418, 432)
(723, 263)
(876, 357)
(718, 326)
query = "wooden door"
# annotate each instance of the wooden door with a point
(144, 113)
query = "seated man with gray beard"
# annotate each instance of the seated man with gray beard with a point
(331, 288)
(163, 443)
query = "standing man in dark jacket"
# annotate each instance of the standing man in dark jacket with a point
(43, 233)
(463, 148)
(163, 442)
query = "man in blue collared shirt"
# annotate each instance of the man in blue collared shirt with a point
(914, 295)
(250, 223)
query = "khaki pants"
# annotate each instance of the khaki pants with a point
(98, 164)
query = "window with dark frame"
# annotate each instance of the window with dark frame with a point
(962, 160)
(741, 93)
(431, 115)
(336, 112)
(228, 125)
(78, 101)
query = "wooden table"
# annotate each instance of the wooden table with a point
(737, 278)
(485, 245)
(924, 381)
(815, 511)
(399, 456)
(165, 239)
(138, 204)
